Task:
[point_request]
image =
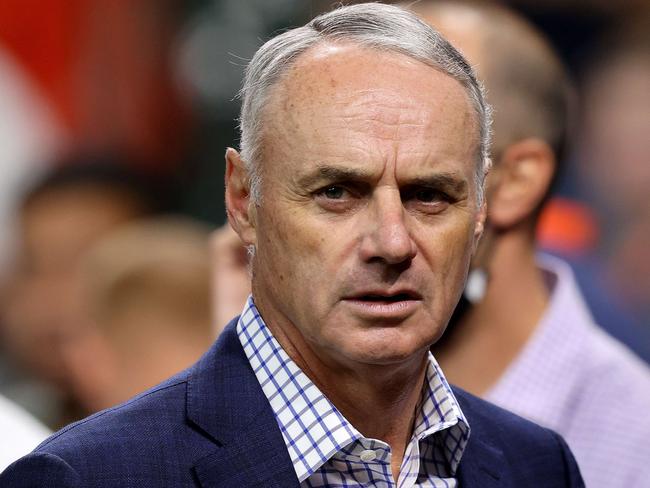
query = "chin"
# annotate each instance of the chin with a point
(388, 350)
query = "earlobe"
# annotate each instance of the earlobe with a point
(479, 226)
(238, 199)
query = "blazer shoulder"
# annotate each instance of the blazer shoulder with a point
(482, 414)
(529, 450)
(40, 469)
(162, 404)
(157, 417)
(147, 438)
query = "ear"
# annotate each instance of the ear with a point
(239, 206)
(521, 179)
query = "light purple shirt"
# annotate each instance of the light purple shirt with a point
(574, 378)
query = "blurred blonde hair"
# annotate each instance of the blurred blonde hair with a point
(159, 264)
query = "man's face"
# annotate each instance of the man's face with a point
(368, 216)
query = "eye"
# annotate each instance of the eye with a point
(425, 194)
(333, 192)
(428, 195)
(338, 197)
(426, 199)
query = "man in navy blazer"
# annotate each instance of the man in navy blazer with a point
(359, 193)
(211, 426)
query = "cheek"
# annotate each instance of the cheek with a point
(289, 247)
(448, 252)
(273, 249)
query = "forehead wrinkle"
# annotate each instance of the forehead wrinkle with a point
(319, 105)
(383, 121)
(397, 121)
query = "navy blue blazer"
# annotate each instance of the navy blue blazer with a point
(211, 426)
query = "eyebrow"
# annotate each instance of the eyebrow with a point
(444, 181)
(332, 174)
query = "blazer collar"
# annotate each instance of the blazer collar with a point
(480, 465)
(226, 403)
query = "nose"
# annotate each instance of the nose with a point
(387, 237)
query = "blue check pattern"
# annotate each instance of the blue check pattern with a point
(326, 450)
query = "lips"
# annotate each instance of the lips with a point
(383, 304)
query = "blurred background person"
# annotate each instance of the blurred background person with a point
(144, 303)
(59, 219)
(524, 338)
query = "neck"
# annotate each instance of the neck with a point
(496, 330)
(382, 409)
(379, 401)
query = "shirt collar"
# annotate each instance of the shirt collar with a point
(312, 427)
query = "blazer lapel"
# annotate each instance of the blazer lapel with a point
(255, 459)
(480, 465)
(483, 463)
(226, 403)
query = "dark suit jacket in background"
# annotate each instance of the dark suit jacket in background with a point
(212, 426)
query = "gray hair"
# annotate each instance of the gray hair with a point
(371, 25)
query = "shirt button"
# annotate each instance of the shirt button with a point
(367, 456)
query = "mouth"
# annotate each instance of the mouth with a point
(376, 305)
(386, 298)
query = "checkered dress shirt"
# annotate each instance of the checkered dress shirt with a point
(326, 450)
